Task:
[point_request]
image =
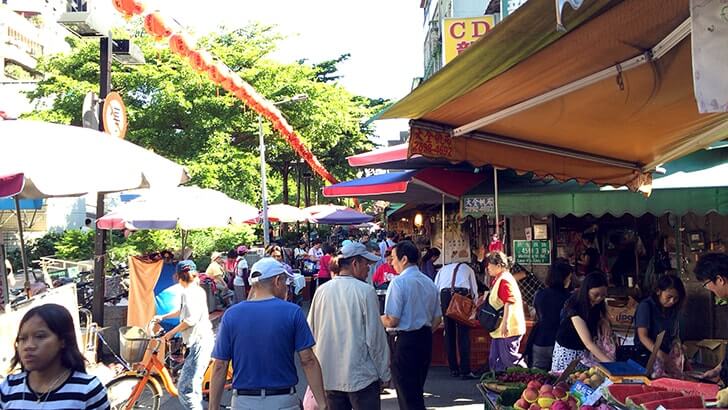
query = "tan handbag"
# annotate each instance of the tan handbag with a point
(461, 308)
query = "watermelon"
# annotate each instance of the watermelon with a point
(708, 391)
(686, 402)
(636, 400)
(619, 392)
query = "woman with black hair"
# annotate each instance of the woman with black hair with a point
(53, 372)
(427, 264)
(548, 304)
(324, 273)
(656, 314)
(580, 322)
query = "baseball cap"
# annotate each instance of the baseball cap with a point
(268, 268)
(357, 249)
(186, 265)
(242, 249)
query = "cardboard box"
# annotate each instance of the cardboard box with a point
(706, 352)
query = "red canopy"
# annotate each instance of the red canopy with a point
(11, 185)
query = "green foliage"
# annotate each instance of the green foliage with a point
(141, 242)
(182, 115)
(75, 245)
(36, 248)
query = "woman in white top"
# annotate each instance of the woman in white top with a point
(196, 330)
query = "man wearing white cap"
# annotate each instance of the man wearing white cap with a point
(260, 336)
(351, 341)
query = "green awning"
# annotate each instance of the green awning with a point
(681, 201)
(392, 208)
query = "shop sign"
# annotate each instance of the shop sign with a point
(536, 252)
(114, 115)
(459, 33)
(478, 205)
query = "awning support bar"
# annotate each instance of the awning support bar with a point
(659, 50)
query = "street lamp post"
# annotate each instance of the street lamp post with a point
(263, 183)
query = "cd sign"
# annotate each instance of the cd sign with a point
(114, 115)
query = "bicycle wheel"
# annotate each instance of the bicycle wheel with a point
(119, 391)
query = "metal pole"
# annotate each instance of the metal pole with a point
(495, 188)
(100, 234)
(22, 246)
(4, 278)
(263, 186)
(443, 229)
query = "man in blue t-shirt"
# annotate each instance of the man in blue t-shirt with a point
(260, 336)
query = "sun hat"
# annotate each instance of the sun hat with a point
(268, 268)
(357, 249)
(216, 255)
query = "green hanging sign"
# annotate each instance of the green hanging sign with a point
(536, 252)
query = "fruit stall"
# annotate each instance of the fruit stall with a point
(597, 388)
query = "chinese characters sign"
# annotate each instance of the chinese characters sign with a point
(536, 252)
(478, 205)
(459, 33)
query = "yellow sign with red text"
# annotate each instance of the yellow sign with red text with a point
(459, 33)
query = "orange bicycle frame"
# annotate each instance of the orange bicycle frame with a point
(150, 364)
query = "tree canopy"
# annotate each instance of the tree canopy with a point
(182, 115)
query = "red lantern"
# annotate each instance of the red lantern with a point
(200, 60)
(227, 81)
(155, 25)
(129, 8)
(215, 72)
(180, 44)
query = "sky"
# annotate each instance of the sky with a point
(384, 38)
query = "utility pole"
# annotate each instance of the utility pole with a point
(100, 234)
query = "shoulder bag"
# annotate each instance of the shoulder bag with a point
(488, 316)
(461, 307)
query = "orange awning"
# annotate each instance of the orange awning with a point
(607, 102)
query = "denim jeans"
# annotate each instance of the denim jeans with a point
(189, 383)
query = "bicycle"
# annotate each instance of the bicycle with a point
(140, 386)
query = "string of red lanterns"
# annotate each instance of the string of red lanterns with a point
(203, 62)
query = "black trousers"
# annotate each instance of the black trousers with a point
(456, 333)
(410, 363)
(364, 399)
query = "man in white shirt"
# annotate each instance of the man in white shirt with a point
(351, 343)
(385, 244)
(464, 284)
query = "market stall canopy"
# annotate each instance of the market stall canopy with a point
(605, 102)
(315, 209)
(286, 213)
(684, 188)
(395, 157)
(345, 216)
(431, 185)
(62, 160)
(185, 208)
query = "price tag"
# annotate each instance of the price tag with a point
(586, 395)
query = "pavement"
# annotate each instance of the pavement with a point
(441, 392)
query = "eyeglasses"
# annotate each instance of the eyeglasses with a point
(705, 284)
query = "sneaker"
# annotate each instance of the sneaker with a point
(454, 373)
(469, 376)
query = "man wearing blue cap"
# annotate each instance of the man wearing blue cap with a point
(260, 336)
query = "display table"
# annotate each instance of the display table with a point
(479, 346)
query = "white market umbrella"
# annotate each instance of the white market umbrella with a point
(287, 213)
(62, 160)
(185, 208)
(45, 160)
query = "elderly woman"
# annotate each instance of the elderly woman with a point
(216, 272)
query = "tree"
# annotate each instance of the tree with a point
(180, 114)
